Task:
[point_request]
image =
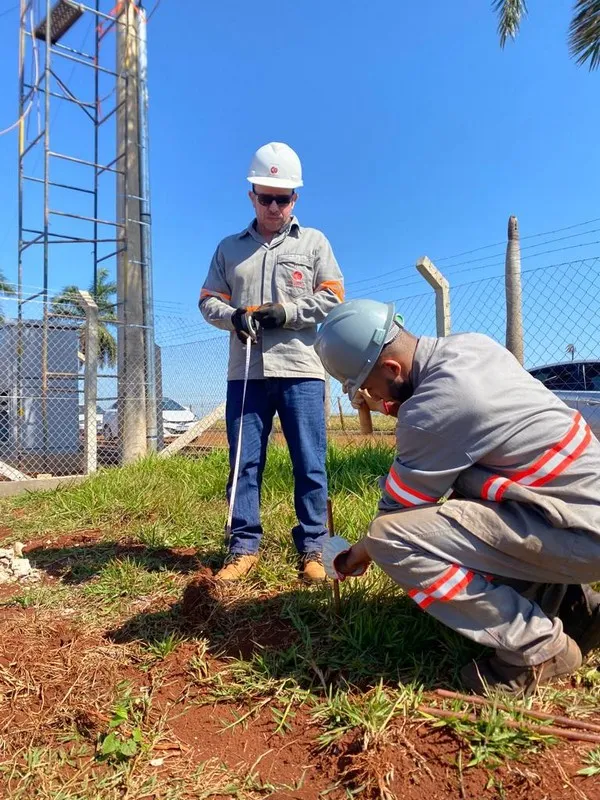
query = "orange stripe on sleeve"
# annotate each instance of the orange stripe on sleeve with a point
(209, 293)
(337, 287)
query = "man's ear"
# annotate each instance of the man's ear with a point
(393, 367)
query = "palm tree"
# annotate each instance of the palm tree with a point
(69, 303)
(5, 288)
(584, 31)
(571, 351)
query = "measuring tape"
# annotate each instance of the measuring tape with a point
(238, 452)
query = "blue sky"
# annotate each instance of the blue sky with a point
(417, 135)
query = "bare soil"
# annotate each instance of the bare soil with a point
(58, 677)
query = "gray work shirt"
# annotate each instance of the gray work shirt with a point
(481, 424)
(296, 268)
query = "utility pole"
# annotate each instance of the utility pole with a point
(153, 407)
(514, 301)
(131, 350)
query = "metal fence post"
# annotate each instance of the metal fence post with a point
(90, 385)
(160, 431)
(341, 412)
(441, 287)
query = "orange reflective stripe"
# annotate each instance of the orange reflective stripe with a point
(337, 287)
(404, 494)
(549, 466)
(445, 588)
(210, 293)
(557, 458)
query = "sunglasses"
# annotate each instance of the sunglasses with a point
(280, 199)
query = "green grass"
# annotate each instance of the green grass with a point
(491, 742)
(368, 713)
(267, 646)
(592, 763)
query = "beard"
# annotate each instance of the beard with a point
(400, 390)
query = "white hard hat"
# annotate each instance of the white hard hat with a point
(276, 164)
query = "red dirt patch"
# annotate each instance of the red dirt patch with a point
(288, 760)
(55, 676)
(206, 602)
(49, 672)
(10, 590)
(64, 540)
(415, 761)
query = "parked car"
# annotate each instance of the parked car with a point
(577, 383)
(177, 419)
(99, 418)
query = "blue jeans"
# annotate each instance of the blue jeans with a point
(300, 405)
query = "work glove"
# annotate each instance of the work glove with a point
(244, 325)
(270, 315)
(334, 546)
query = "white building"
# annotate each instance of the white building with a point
(60, 433)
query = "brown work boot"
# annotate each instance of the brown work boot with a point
(236, 567)
(494, 673)
(311, 568)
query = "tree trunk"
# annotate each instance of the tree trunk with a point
(514, 304)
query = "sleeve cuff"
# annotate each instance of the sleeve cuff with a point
(291, 313)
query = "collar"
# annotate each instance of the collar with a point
(292, 226)
(424, 351)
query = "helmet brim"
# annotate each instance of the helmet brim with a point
(354, 385)
(277, 183)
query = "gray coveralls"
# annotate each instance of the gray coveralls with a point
(525, 469)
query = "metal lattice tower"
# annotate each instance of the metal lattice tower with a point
(83, 181)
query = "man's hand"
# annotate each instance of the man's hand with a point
(362, 397)
(243, 324)
(270, 315)
(340, 559)
(353, 562)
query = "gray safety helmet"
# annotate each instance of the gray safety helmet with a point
(352, 337)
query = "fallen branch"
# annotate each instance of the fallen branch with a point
(564, 722)
(540, 730)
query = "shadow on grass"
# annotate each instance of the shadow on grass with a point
(77, 564)
(380, 634)
(296, 634)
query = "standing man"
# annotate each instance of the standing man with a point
(282, 279)
(507, 560)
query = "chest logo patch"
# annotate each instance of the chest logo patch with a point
(298, 281)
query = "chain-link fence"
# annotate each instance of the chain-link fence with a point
(65, 409)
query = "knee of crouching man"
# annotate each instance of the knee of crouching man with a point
(376, 538)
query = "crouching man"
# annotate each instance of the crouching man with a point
(506, 559)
